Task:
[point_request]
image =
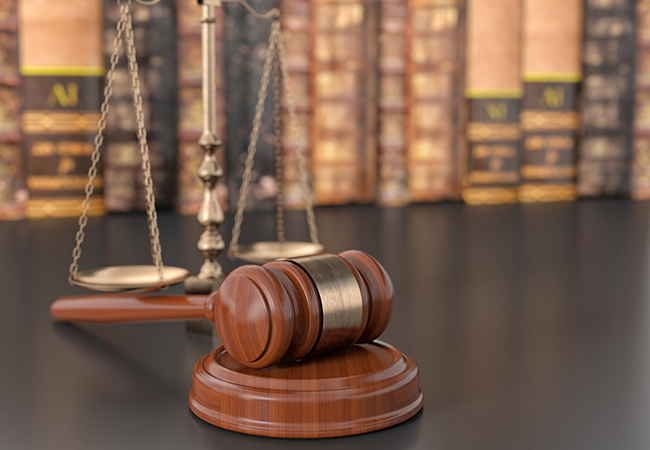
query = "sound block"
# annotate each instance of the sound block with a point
(357, 390)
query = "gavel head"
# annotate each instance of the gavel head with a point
(291, 309)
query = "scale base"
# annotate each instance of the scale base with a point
(357, 390)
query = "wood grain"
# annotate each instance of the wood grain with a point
(360, 389)
(120, 308)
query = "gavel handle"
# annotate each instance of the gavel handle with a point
(120, 308)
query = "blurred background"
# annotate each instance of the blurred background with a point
(398, 101)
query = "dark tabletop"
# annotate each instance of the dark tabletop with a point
(530, 324)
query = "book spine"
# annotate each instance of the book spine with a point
(392, 188)
(13, 194)
(190, 112)
(344, 100)
(640, 183)
(245, 43)
(295, 25)
(551, 72)
(61, 63)
(435, 83)
(155, 47)
(493, 92)
(606, 109)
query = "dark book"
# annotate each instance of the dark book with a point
(61, 62)
(435, 83)
(344, 100)
(13, 194)
(245, 41)
(154, 31)
(606, 109)
(493, 91)
(551, 72)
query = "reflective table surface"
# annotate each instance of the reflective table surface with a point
(530, 324)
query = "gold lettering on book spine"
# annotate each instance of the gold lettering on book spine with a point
(48, 122)
(479, 131)
(536, 120)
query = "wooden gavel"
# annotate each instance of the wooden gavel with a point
(284, 310)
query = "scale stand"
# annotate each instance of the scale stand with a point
(210, 214)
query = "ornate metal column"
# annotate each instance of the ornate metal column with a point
(210, 213)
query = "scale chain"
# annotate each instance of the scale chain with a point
(99, 140)
(124, 26)
(277, 125)
(275, 50)
(152, 215)
(252, 145)
(302, 165)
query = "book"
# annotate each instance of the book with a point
(295, 26)
(551, 72)
(392, 187)
(245, 41)
(154, 31)
(493, 91)
(13, 194)
(606, 108)
(344, 100)
(190, 109)
(435, 82)
(640, 182)
(61, 63)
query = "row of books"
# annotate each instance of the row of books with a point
(398, 101)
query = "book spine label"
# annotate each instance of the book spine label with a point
(607, 98)
(494, 150)
(549, 122)
(640, 183)
(59, 124)
(435, 82)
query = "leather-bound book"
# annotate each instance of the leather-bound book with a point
(245, 41)
(606, 109)
(640, 183)
(551, 72)
(392, 188)
(62, 65)
(154, 30)
(295, 25)
(13, 194)
(190, 113)
(435, 83)
(493, 93)
(344, 100)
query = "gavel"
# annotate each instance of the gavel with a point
(285, 310)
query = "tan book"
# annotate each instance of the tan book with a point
(344, 100)
(435, 81)
(62, 65)
(493, 91)
(551, 72)
(640, 183)
(392, 186)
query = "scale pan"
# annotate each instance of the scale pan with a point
(263, 252)
(129, 278)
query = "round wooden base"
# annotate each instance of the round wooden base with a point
(360, 389)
